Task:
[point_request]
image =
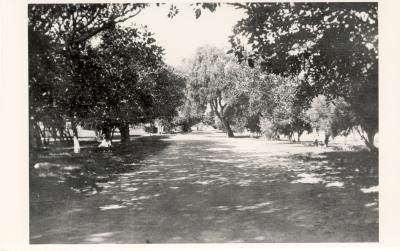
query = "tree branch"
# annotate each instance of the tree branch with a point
(123, 20)
(220, 104)
(105, 26)
(92, 33)
(89, 22)
(215, 104)
(362, 135)
(216, 110)
(211, 105)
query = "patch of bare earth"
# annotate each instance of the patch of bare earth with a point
(205, 188)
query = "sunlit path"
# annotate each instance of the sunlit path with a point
(207, 188)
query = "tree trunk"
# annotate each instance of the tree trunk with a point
(112, 134)
(327, 135)
(226, 125)
(53, 131)
(77, 147)
(68, 134)
(61, 132)
(291, 138)
(42, 135)
(220, 114)
(34, 136)
(370, 140)
(228, 129)
(299, 135)
(124, 130)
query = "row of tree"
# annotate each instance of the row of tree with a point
(284, 56)
(300, 65)
(243, 97)
(86, 69)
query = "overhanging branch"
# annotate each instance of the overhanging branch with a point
(105, 26)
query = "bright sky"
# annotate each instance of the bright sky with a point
(181, 35)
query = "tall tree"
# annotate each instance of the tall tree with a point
(209, 84)
(126, 62)
(332, 46)
(333, 117)
(279, 104)
(127, 82)
(45, 81)
(66, 29)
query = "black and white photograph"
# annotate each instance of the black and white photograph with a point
(202, 122)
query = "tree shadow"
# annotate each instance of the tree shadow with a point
(57, 173)
(356, 168)
(203, 191)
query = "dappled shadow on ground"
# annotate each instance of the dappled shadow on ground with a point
(340, 168)
(59, 169)
(204, 189)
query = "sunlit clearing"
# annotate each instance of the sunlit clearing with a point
(308, 178)
(110, 207)
(373, 189)
(256, 206)
(335, 184)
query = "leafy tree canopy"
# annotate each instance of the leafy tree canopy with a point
(333, 47)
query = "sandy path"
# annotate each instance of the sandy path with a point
(206, 188)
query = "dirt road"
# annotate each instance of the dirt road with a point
(207, 188)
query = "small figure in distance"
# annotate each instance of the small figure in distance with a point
(316, 142)
(104, 142)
